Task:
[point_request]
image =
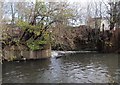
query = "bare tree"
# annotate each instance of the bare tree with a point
(114, 13)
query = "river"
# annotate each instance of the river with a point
(73, 68)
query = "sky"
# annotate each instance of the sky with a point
(82, 1)
(71, 1)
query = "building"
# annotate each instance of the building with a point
(94, 22)
(98, 23)
(104, 25)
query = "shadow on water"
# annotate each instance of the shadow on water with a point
(74, 68)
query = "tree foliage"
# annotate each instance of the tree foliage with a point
(35, 20)
(114, 13)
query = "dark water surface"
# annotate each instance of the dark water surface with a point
(75, 68)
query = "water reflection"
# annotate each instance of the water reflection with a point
(77, 68)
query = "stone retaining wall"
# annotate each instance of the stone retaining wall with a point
(25, 54)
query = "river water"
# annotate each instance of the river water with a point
(74, 68)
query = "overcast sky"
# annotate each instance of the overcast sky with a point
(83, 1)
(78, 1)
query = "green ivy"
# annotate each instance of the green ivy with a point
(36, 45)
(23, 24)
(36, 29)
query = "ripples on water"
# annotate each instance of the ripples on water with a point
(75, 68)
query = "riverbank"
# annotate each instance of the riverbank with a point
(11, 55)
(57, 54)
